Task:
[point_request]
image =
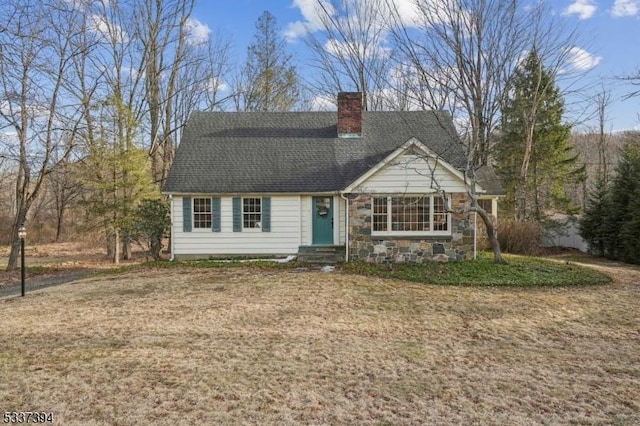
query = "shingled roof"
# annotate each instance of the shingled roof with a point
(296, 152)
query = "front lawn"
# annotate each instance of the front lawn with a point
(239, 345)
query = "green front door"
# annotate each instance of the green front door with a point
(322, 223)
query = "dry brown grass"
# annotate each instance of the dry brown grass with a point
(247, 346)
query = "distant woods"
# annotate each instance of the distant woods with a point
(94, 96)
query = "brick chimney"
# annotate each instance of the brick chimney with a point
(349, 114)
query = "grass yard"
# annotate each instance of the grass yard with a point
(264, 346)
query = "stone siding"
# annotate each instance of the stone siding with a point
(407, 249)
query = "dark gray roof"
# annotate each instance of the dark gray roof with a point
(287, 152)
(486, 177)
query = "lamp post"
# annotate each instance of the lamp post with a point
(22, 233)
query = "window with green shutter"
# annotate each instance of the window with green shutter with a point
(252, 213)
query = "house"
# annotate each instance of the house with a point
(356, 185)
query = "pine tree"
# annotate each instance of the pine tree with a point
(269, 81)
(611, 223)
(534, 157)
(621, 220)
(592, 225)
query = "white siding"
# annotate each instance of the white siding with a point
(412, 174)
(284, 237)
(305, 220)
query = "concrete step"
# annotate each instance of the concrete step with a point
(325, 255)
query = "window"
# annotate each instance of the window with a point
(486, 204)
(251, 212)
(426, 214)
(202, 212)
(380, 219)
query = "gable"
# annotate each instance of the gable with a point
(412, 174)
(412, 168)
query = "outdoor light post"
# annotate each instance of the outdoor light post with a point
(22, 233)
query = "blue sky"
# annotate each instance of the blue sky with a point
(609, 36)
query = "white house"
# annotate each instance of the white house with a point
(376, 186)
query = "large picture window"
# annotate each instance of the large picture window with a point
(410, 214)
(251, 212)
(202, 212)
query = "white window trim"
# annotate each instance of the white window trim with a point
(446, 233)
(195, 228)
(258, 228)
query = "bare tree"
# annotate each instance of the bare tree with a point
(603, 100)
(471, 48)
(65, 189)
(351, 50)
(36, 55)
(165, 29)
(634, 80)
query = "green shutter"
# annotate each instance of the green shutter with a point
(186, 214)
(215, 214)
(266, 214)
(237, 214)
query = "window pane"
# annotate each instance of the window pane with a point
(202, 212)
(440, 216)
(410, 214)
(486, 204)
(251, 212)
(380, 216)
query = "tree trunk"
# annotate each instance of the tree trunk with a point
(116, 247)
(521, 201)
(155, 248)
(492, 233)
(126, 249)
(59, 220)
(12, 263)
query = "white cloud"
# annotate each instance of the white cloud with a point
(623, 8)
(583, 60)
(215, 85)
(108, 30)
(323, 103)
(296, 30)
(408, 11)
(583, 8)
(312, 11)
(197, 32)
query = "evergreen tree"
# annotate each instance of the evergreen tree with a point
(592, 226)
(534, 157)
(621, 219)
(269, 81)
(611, 224)
(151, 221)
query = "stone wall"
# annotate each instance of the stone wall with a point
(389, 249)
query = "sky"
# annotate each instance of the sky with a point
(609, 35)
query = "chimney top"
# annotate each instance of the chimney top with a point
(349, 114)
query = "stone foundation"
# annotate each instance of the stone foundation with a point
(455, 247)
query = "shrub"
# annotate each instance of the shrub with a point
(150, 223)
(520, 237)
